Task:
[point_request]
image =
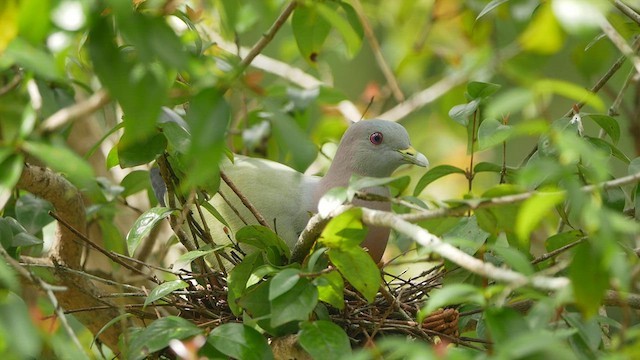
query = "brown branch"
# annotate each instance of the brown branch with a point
(244, 200)
(268, 36)
(78, 110)
(377, 52)
(67, 201)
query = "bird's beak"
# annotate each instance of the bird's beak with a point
(411, 156)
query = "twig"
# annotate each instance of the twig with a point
(375, 46)
(423, 98)
(510, 199)
(557, 251)
(11, 84)
(625, 9)
(78, 110)
(435, 244)
(620, 43)
(268, 36)
(244, 200)
(106, 253)
(48, 288)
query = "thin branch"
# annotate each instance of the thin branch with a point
(268, 36)
(76, 111)
(625, 9)
(244, 200)
(620, 43)
(510, 199)
(423, 97)
(12, 84)
(377, 52)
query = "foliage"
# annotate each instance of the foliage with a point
(532, 124)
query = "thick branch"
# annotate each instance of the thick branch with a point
(63, 116)
(80, 293)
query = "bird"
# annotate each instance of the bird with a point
(287, 198)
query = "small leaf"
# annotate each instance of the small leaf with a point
(608, 124)
(609, 148)
(533, 210)
(562, 239)
(164, 289)
(10, 171)
(262, 238)
(284, 281)
(434, 174)
(487, 167)
(295, 304)
(331, 289)
(358, 268)
(504, 323)
(450, 295)
(344, 231)
(239, 341)
(481, 90)
(156, 336)
(238, 277)
(135, 182)
(310, 30)
(514, 258)
(190, 256)
(143, 226)
(492, 132)
(324, 340)
(351, 38)
(461, 113)
(589, 278)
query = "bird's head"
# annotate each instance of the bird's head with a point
(377, 148)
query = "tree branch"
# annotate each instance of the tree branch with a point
(65, 115)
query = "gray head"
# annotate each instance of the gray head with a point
(375, 148)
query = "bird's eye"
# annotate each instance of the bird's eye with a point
(376, 138)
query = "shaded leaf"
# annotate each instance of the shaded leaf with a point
(461, 113)
(324, 340)
(481, 90)
(608, 124)
(157, 335)
(295, 304)
(310, 30)
(240, 342)
(238, 277)
(589, 278)
(284, 281)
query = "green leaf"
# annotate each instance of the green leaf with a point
(331, 289)
(487, 167)
(156, 336)
(239, 341)
(324, 340)
(461, 113)
(190, 256)
(504, 323)
(295, 304)
(284, 281)
(609, 148)
(134, 150)
(352, 39)
(310, 30)
(344, 231)
(533, 210)
(135, 182)
(357, 183)
(589, 278)
(481, 90)
(34, 20)
(33, 213)
(293, 140)
(358, 268)
(562, 239)
(143, 226)
(492, 132)
(8, 278)
(208, 118)
(499, 218)
(164, 289)
(62, 160)
(569, 90)
(10, 171)
(34, 59)
(238, 277)
(265, 239)
(450, 295)
(608, 124)
(434, 174)
(514, 258)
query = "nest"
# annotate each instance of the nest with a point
(393, 312)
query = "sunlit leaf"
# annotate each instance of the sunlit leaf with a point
(143, 226)
(358, 268)
(543, 34)
(344, 231)
(434, 174)
(533, 210)
(331, 289)
(352, 39)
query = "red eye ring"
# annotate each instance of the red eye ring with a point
(376, 138)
